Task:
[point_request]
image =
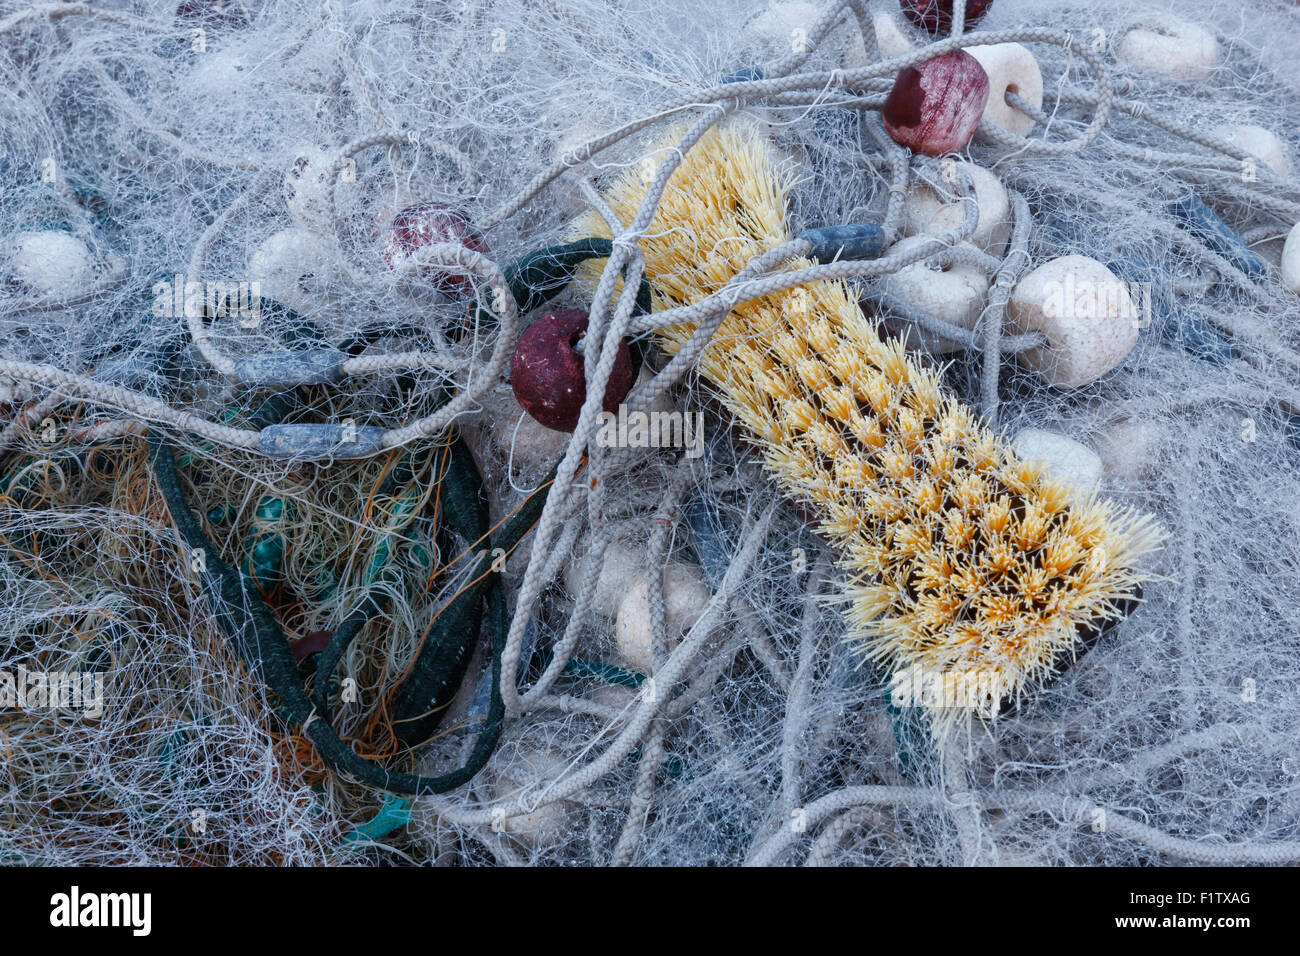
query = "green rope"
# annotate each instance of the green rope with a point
(364, 612)
(436, 673)
(540, 276)
(256, 635)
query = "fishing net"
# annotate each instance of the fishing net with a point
(643, 649)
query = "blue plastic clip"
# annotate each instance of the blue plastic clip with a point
(864, 240)
(1201, 220)
(287, 369)
(320, 441)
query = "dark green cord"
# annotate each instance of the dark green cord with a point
(260, 642)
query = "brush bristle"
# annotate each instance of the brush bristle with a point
(961, 557)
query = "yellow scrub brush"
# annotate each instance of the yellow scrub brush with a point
(964, 561)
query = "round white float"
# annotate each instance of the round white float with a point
(1261, 143)
(926, 212)
(1086, 313)
(1010, 68)
(890, 35)
(685, 597)
(49, 262)
(550, 820)
(1170, 47)
(294, 267)
(1291, 260)
(956, 294)
(306, 188)
(1062, 457)
(620, 569)
(782, 28)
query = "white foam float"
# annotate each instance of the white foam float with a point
(1170, 47)
(1063, 457)
(685, 597)
(1291, 260)
(1011, 68)
(49, 263)
(293, 267)
(1086, 313)
(956, 293)
(926, 212)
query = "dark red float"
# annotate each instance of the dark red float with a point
(935, 106)
(548, 375)
(426, 224)
(935, 16)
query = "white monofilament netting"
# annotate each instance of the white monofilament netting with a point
(277, 141)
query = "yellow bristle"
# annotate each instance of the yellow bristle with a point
(926, 497)
(958, 531)
(814, 374)
(959, 554)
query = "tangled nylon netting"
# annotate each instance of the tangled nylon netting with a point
(172, 153)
